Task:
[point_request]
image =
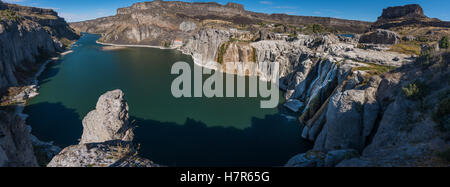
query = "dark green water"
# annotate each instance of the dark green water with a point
(174, 132)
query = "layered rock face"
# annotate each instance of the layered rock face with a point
(160, 23)
(407, 15)
(216, 49)
(106, 140)
(28, 36)
(381, 121)
(413, 10)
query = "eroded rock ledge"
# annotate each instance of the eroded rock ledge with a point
(107, 138)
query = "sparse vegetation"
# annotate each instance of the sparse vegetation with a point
(444, 42)
(9, 15)
(121, 151)
(166, 44)
(254, 55)
(410, 48)
(6, 99)
(317, 28)
(66, 42)
(426, 56)
(375, 69)
(415, 91)
(222, 50)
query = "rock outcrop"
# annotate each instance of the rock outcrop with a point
(401, 16)
(384, 120)
(380, 36)
(407, 11)
(107, 138)
(16, 149)
(28, 36)
(109, 121)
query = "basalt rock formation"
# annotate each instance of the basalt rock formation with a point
(106, 140)
(16, 149)
(162, 23)
(28, 37)
(109, 121)
(380, 36)
(397, 119)
(407, 11)
(407, 15)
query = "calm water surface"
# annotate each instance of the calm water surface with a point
(173, 132)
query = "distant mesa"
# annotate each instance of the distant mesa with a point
(412, 14)
(408, 11)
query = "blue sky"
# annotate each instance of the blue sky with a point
(367, 10)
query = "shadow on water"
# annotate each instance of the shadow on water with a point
(268, 142)
(54, 121)
(50, 71)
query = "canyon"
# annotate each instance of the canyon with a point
(332, 82)
(351, 94)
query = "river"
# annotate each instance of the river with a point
(171, 131)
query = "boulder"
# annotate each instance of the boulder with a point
(109, 121)
(380, 36)
(294, 105)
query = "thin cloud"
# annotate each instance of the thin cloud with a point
(266, 2)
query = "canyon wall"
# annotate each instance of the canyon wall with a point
(162, 22)
(28, 37)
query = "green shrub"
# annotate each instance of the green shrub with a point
(222, 50)
(254, 55)
(443, 44)
(425, 57)
(415, 91)
(9, 15)
(317, 28)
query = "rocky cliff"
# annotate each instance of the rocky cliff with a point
(106, 140)
(402, 16)
(398, 119)
(161, 23)
(28, 37)
(16, 148)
